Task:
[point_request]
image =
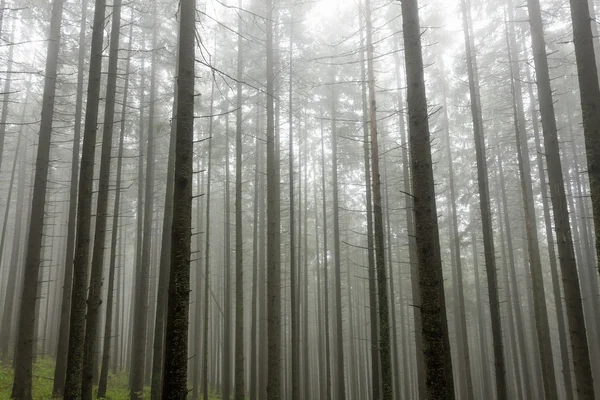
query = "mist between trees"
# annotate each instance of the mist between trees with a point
(286, 199)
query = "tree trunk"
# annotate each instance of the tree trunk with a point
(176, 333)
(207, 250)
(273, 228)
(165, 262)
(6, 92)
(486, 216)
(22, 384)
(295, 342)
(436, 343)
(568, 265)
(535, 264)
(385, 350)
(558, 303)
(92, 318)
(239, 386)
(374, 328)
(325, 267)
(109, 339)
(589, 90)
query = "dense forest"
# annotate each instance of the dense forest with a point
(293, 199)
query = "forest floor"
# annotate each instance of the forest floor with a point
(43, 375)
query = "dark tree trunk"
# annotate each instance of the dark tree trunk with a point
(484, 204)
(274, 389)
(176, 352)
(239, 386)
(75, 360)
(207, 251)
(436, 343)
(92, 319)
(566, 254)
(385, 350)
(109, 335)
(589, 90)
(539, 295)
(7, 326)
(165, 262)
(140, 333)
(374, 328)
(325, 269)
(295, 342)
(22, 385)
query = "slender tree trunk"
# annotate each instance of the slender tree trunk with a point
(539, 296)
(92, 318)
(295, 342)
(589, 90)
(239, 386)
(7, 326)
(165, 262)
(385, 349)
(339, 335)
(176, 353)
(22, 384)
(274, 389)
(207, 250)
(432, 299)
(227, 342)
(140, 334)
(572, 291)
(325, 268)
(374, 328)
(558, 303)
(464, 356)
(254, 384)
(484, 203)
(109, 339)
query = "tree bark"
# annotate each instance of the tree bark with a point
(176, 352)
(566, 255)
(22, 384)
(436, 343)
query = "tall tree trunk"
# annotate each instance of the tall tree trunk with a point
(568, 265)
(7, 326)
(75, 360)
(589, 91)
(207, 250)
(305, 339)
(385, 349)
(295, 342)
(109, 338)
(558, 303)
(176, 332)
(140, 333)
(239, 385)
(463, 340)
(226, 355)
(340, 388)
(535, 264)
(165, 261)
(92, 318)
(412, 245)
(374, 328)
(325, 268)
(274, 389)
(436, 343)
(484, 203)
(22, 384)
(519, 319)
(254, 384)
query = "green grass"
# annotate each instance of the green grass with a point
(43, 373)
